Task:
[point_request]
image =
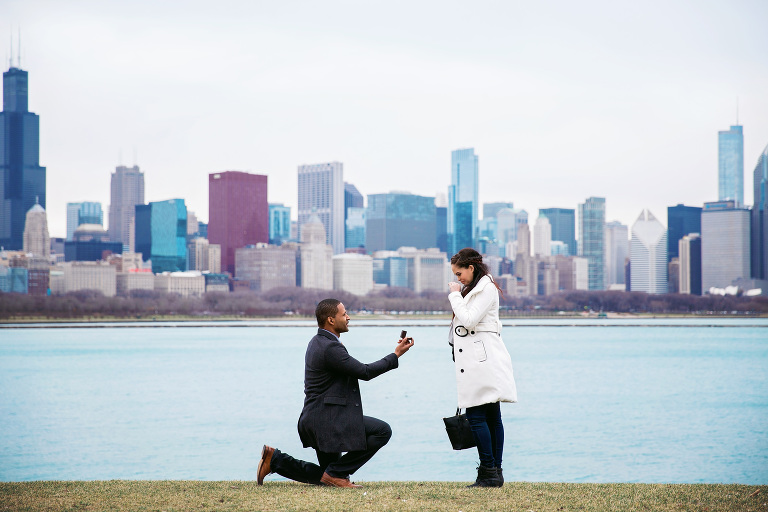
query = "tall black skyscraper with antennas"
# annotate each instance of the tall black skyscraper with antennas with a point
(22, 180)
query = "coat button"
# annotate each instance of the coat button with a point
(462, 370)
(472, 333)
(357, 405)
(461, 350)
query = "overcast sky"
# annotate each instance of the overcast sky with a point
(561, 100)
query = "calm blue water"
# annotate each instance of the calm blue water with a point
(600, 401)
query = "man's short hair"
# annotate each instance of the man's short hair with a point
(326, 308)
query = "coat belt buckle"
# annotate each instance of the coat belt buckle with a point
(461, 331)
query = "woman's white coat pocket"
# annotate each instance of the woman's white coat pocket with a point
(480, 354)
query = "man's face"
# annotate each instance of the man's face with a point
(340, 322)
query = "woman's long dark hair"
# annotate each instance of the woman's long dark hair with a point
(466, 257)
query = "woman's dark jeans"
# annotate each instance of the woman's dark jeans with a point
(485, 421)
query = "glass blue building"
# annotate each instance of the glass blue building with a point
(279, 223)
(441, 220)
(563, 222)
(354, 236)
(730, 165)
(397, 220)
(681, 220)
(592, 239)
(22, 180)
(161, 234)
(462, 200)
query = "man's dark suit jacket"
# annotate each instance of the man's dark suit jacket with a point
(332, 418)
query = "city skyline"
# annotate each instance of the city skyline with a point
(588, 107)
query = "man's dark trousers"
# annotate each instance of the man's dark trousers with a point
(377, 434)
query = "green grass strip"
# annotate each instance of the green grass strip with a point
(173, 496)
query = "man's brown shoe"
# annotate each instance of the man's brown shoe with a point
(337, 482)
(264, 464)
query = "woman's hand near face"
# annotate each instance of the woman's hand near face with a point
(454, 286)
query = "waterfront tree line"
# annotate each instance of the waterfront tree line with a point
(279, 302)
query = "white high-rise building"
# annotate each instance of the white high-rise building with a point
(321, 193)
(127, 192)
(648, 255)
(204, 256)
(542, 237)
(36, 239)
(616, 252)
(725, 244)
(315, 265)
(73, 219)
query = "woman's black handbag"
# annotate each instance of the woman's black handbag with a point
(459, 431)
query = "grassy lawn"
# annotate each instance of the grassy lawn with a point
(406, 496)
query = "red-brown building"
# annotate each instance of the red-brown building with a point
(238, 213)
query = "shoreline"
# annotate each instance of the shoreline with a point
(358, 316)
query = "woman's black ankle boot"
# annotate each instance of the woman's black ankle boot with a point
(486, 477)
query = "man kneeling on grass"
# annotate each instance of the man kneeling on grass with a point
(332, 420)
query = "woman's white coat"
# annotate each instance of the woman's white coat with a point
(483, 365)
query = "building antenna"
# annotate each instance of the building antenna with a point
(18, 59)
(10, 60)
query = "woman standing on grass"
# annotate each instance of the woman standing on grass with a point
(483, 367)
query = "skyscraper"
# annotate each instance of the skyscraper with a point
(321, 193)
(354, 237)
(648, 255)
(563, 222)
(730, 157)
(681, 220)
(127, 191)
(204, 256)
(238, 213)
(724, 244)
(22, 180)
(73, 217)
(400, 219)
(462, 200)
(441, 229)
(616, 252)
(163, 224)
(760, 218)
(542, 237)
(591, 239)
(352, 197)
(36, 239)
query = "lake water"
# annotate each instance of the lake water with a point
(600, 401)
